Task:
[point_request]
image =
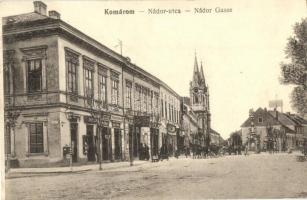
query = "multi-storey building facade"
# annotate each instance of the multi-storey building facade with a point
(65, 89)
(170, 117)
(190, 124)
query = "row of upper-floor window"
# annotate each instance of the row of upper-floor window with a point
(34, 78)
(145, 100)
(72, 65)
(169, 110)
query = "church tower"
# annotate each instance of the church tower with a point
(199, 97)
(199, 93)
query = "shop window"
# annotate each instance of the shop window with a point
(34, 68)
(156, 104)
(169, 112)
(128, 94)
(175, 115)
(88, 84)
(260, 120)
(88, 66)
(35, 76)
(8, 69)
(8, 140)
(115, 92)
(165, 110)
(36, 138)
(102, 81)
(138, 98)
(162, 108)
(6, 80)
(144, 99)
(72, 63)
(72, 77)
(150, 109)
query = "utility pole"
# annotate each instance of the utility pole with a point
(132, 138)
(121, 46)
(99, 140)
(70, 153)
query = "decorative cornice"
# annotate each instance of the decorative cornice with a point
(38, 114)
(88, 63)
(102, 69)
(72, 51)
(34, 52)
(71, 55)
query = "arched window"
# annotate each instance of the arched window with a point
(196, 98)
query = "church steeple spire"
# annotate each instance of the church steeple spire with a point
(202, 76)
(196, 76)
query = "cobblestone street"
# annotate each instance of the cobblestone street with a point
(253, 176)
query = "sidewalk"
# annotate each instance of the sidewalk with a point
(105, 166)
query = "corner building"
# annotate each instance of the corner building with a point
(65, 89)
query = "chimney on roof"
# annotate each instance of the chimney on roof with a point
(40, 7)
(54, 14)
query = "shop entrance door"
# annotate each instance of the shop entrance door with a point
(106, 149)
(74, 141)
(118, 144)
(90, 143)
(154, 139)
(131, 135)
(136, 142)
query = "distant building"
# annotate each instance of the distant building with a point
(215, 138)
(296, 124)
(281, 130)
(190, 124)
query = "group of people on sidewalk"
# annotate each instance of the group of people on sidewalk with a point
(164, 153)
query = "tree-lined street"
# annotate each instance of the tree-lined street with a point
(254, 176)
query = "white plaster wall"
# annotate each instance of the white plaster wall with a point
(64, 43)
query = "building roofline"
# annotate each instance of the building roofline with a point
(58, 23)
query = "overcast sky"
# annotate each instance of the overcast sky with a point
(241, 50)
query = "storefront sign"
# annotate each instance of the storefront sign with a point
(115, 124)
(182, 133)
(171, 128)
(116, 118)
(154, 125)
(130, 121)
(106, 117)
(142, 121)
(72, 117)
(105, 123)
(90, 120)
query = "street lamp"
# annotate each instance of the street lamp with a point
(70, 116)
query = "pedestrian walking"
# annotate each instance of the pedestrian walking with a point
(245, 150)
